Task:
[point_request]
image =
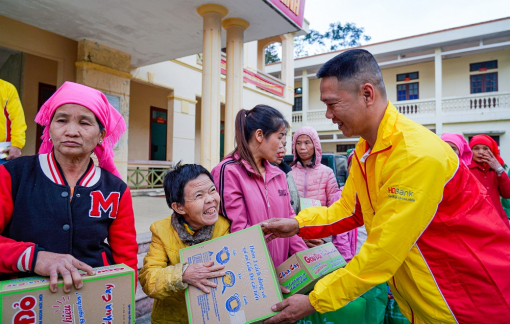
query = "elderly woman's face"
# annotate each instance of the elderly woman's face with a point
(74, 130)
(201, 202)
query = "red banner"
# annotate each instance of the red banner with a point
(292, 10)
(258, 80)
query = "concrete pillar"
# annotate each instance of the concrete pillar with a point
(438, 60)
(181, 129)
(108, 70)
(211, 77)
(235, 28)
(288, 66)
(305, 95)
(261, 57)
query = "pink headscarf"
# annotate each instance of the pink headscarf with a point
(95, 100)
(465, 153)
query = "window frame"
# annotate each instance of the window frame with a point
(407, 95)
(409, 76)
(484, 66)
(483, 82)
(294, 108)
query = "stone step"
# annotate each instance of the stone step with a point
(143, 302)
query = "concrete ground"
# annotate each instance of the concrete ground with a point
(148, 210)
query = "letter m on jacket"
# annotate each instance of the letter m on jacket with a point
(109, 205)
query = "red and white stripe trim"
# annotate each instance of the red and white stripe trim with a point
(7, 123)
(25, 260)
(50, 169)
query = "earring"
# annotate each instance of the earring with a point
(49, 140)
(100, 141)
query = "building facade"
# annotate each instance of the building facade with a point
(178, 72)
(455, 80)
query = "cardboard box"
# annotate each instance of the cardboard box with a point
(106, 298)
(249, 288)
(300, 272)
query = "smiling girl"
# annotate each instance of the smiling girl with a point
(251, 189)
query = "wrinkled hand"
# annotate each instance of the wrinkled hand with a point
(292, 309)
(12, 152)
(311, 243)
(491, 160)
(51, 264)
(279, 227)
(197, 275)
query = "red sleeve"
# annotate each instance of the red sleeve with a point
(11, 250)
(504, 185)
(122, 234)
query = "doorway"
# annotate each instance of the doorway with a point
(45, 92)
(158, 134)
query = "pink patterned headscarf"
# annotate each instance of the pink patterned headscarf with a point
(95, 100)
(465, 153)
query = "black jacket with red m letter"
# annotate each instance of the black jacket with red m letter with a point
(37, 212)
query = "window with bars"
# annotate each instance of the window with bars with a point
(298, 104)
(483, 66)
(408, 91)
(487, 82)
(408, 76)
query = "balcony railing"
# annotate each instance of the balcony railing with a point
(485, 101)
(425, 108)
(147, 174)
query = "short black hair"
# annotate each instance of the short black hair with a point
(357, 66)
(175, 181)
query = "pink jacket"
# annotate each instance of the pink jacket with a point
(246, 200)
(317, 181)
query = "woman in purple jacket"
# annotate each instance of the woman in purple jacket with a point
(251, 189)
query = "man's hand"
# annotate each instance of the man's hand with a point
(197, 275)
(12, 152)
(51, 264)
(311, 243)
(292, 309)
(279, 227)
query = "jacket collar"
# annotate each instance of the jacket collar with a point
(271, 170)
(51, 168)
(384, 133)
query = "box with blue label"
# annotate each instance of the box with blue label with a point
(249, 288)
(300, 272)
(107, 297)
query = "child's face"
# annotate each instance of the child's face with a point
(201, 202)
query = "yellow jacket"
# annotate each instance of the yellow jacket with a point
(433, 233)
(12, 118)
(161, 275)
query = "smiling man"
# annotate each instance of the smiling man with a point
(433, 234)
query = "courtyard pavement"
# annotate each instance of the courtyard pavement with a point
(148, 210)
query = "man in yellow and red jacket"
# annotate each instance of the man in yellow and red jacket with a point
(12, 122)
(433, 234)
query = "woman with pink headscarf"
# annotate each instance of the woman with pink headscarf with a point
(487, 166)
(459, 145)
(59, 213)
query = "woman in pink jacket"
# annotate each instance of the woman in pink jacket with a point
(251, 189)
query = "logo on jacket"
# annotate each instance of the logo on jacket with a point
(400, 194)
(109, 205)
(282, 192)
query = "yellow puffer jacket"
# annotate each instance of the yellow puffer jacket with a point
(161, 275)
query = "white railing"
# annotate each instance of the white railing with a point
(297, 117)
(416, 107)
(485, 101)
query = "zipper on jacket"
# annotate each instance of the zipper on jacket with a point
(267, 196)
(306, 181)
(412, 313)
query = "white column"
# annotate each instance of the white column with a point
(235, 28)
(305, 95)
(211, 78)
(438, 60)
(288, 65)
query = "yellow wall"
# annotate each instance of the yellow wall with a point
(142, 97)
(37, 70)
(426, 80)
(314, 99)
(456, 72)
(31, 40)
